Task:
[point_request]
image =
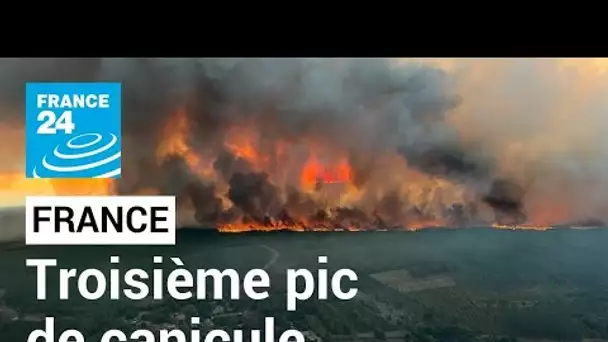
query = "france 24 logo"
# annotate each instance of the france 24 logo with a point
(73, 130)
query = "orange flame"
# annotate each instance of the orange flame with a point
(174, 139)
(175, 142)
(242, 142)
(522, 227)
(327, 164)
(315, 171)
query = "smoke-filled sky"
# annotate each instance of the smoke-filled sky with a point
(395, 142)
(546, 122)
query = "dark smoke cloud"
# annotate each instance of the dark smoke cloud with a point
(190, 189)
(357, 101)
(506, 197)
(254, 195)
(227, 165)
(364, 106)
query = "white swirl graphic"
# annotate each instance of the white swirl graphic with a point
(71, 144)
(108, 163)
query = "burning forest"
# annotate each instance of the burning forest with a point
(341, 144)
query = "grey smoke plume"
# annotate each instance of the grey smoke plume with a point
(360, 103)
(363, 106)
(366, 107)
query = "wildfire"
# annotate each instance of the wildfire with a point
(314, 171)
(417, 225)
(326, 175)
(242, 227)
(524, 227)
(174, 139)
(175, 142)
(546, 214)
(257, 173)
(242, 142)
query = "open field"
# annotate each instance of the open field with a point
(401, 281)
(549, 285)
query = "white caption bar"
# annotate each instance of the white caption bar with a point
(100, 220)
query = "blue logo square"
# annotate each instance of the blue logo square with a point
(73, 130)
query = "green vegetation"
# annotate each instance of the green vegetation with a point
(508, 284)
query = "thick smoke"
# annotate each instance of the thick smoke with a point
(545, 123)
(483, 138)
(13, 221)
